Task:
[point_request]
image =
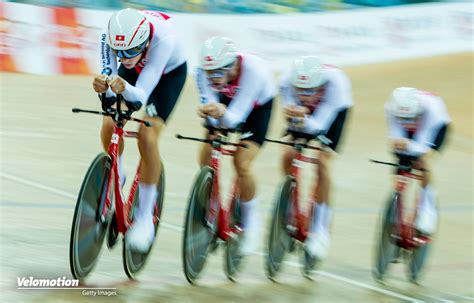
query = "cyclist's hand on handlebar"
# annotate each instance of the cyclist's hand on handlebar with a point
(400, 144)
(117, 84)
(293, 111)
(100, 84)
(201, 112)
(214, 110)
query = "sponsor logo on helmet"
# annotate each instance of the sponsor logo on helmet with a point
(120, 38)
(120, 44)
(209, 58)
(302, 77)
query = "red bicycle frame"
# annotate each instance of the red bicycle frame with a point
(216, 209)
(122, 209)
(298, 219)
(405, 233)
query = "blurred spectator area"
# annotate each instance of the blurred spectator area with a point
(223, 6)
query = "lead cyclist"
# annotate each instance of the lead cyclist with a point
(151, 74)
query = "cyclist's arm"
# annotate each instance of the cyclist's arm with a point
(243, 102)
(424, 138)
(287, 96)
(151, 73)
(108, 61)
(337, 97)
(395, 130)
(206, 94)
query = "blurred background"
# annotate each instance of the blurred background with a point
(226, 6)
(49, 50)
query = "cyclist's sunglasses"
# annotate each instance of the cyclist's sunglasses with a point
(408, 121)
(308, 91)
(130, 53)
(219, 73)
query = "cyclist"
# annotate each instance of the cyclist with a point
(318, 97)
(151, 73)
(418, 122)
(237, 88)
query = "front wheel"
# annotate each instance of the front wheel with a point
(386, 250)
(233, 256)
(88, 226)
(134, 261)
(198, 236)
(279, 241)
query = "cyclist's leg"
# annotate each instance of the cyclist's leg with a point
(289, 154)
(243, 161)
(248, 201)
(257, 125)
(426, 160)
(150, 166)
(322, 186)
(204, 157)
(159, 107)
(319, 240)
(427, 212)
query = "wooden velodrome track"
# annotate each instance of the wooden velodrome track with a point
(45, 151)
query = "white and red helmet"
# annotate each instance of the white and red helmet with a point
(127, 29)
(217, 52)
(405, 103)
(308, 72)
